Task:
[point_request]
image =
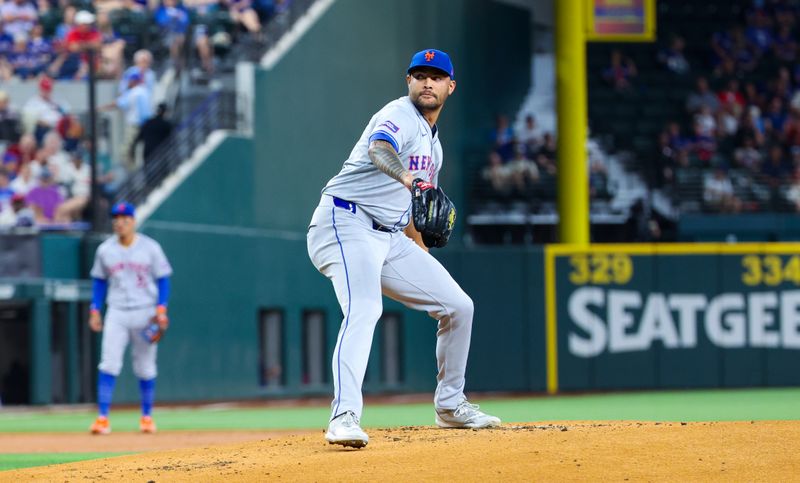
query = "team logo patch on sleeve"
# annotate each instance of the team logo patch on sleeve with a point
(390, 126)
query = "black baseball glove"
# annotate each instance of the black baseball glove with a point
(433, 213)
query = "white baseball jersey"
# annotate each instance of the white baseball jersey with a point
(363, 261)
(131, 271)
(381, 197)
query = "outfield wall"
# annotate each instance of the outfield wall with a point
(251, 318)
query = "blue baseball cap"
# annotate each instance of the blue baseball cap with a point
(432, 58)
(123, 208)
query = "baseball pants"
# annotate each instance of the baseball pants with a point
(364, 263)
(120, 328)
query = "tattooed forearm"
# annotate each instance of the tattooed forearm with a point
(385, 158)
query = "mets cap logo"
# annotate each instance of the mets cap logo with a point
(429, 55)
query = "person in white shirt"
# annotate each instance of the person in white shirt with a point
(78, 177)
(136, 104)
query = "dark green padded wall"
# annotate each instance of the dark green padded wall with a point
(313, 105)
(235, 231)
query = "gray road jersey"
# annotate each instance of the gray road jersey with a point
(131, 271)
(384, 199)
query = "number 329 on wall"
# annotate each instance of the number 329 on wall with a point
(600, 269)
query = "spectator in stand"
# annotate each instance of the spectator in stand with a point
(751, 125)
(7, 216)
(280, 12)
(45, 198)
(727, 121)
(24, 213)
(78, 181)
(18, 16)
(665, 165)
(530, 135)
(107, 6)
(598, 179)
(23, 59)
(677, 141)
(5, 189)
(742, 52)
(502, 137)
(81, 39)
(775, 115)
(67, 24)
(704, 146)
(41, 49)
(781, 86)
(9, 122)
(791, 129)
(722, 46)
(705, 121)
(6, 41)
(752, 96)
(642, 225)
(23, 152)
(523, 172)
(793, 191)
(701, 96)
(41, 112)
(732, 95)
(758, 32)
(25, 181)
(747, 156)
(673, 58)
(112, 50)
(174, 23)
(154, 132)
(206, 15)
(776, 168)
(725, 71)
(136, 104)
(497, 174)
(242, 12)
(718, 194)
(52, 155)
(784, 46)
(621, 71)
(71, 131)
(142, 65)
(546, 157)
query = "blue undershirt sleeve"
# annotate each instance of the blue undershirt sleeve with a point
(385, 137)
(99, 292)
(163, 291)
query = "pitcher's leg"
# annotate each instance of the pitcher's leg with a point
(351, 258)
(416, 279)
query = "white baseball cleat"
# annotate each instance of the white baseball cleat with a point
(465, 415)
(344, 430)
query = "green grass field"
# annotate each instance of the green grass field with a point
(694, 405)
(13, 461)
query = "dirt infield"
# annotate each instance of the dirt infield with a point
(714, 451)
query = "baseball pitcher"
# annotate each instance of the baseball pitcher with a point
(131, 275)
(360, 237)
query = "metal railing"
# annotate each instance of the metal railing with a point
(217, 111)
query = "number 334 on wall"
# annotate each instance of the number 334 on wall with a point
(770, 270)
(600, 269)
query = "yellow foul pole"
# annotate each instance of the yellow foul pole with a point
(573, 181)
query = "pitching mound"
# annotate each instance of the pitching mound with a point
(743, 451)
